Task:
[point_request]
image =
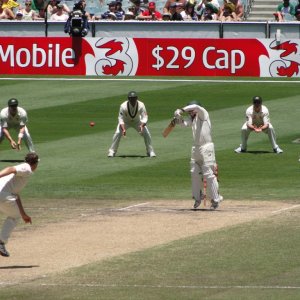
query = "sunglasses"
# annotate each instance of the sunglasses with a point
(27, 4)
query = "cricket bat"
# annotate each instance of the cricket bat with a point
(169, 128)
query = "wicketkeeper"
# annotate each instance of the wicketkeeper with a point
(203, 161)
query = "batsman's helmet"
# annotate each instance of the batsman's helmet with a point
(194, 102)
(257, 100)
(12, 102)
(132, 94)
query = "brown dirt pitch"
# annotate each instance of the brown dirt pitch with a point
(95, 234)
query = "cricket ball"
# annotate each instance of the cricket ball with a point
(92, 124)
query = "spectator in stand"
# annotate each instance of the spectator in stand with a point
(297, 11)
(169, 2)
(11, 4)
(180, 8)
(210, 13)
(111, 12)
(201, 7)
(129, 15)
(228, 12)
(60, 15)
(6, 13)
(189, 13)
(151, 14)
(53, 8)
(239, 9)
(175, 16)
(39, 6)
(285, 11)
(28, 13)
(119, 10)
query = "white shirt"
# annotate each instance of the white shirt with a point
(201, 125)
(258, 119)
(9, 121)
(14, 183)
(129, 113)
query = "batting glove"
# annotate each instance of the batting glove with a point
(177, 113)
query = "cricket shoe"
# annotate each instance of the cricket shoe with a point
(215, 203)
(3, 251)
(151, 154)
(278, 150)
(111, 153)
(240, 150)
(198, 202)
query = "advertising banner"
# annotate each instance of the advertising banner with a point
(150, 57)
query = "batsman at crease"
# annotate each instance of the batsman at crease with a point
(203, 161)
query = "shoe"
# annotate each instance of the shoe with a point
(197, 203)
(215, 203)
(111, 153)
(3, 251)
(240, 150)
(278, 150)
(151, 154)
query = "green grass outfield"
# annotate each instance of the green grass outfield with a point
(253, 261)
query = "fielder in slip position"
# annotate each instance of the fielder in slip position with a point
(257, 120)
(133, 114)
(203, 161)
(15, 117)
(12, 180)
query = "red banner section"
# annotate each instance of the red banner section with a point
(149, 57)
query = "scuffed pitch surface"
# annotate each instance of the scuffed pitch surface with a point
(103, 233)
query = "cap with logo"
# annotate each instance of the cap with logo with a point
(132, 94)
(257, 100)
(13, 102)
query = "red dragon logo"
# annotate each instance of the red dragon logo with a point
(115, 59)
(289, 65)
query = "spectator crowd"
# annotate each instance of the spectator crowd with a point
(173, 10)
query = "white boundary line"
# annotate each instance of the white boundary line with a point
(131, 206)
(284, 209)
(150, 80)
(219, 287)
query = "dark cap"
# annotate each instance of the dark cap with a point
(132, 94)
(113, 3)
(32, 158)
(12, 102)
(257, 100)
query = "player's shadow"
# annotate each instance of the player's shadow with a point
(132, 156)
(19, 267)
(12, 160)
(259, 152)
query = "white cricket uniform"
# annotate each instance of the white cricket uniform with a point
(132, 116)
(258, 119)
(15, 122)
(11, 185)
(203, 158)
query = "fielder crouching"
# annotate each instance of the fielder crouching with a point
(203, 159)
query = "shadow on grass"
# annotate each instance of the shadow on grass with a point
(131, 156)
(260, 152)
(19, 267)
(12, 160)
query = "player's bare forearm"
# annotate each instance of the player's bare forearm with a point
(23, 214)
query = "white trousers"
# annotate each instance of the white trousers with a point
(118, 135)
(245, 132)
(26, 138)
(8, 206)
(203, 162)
